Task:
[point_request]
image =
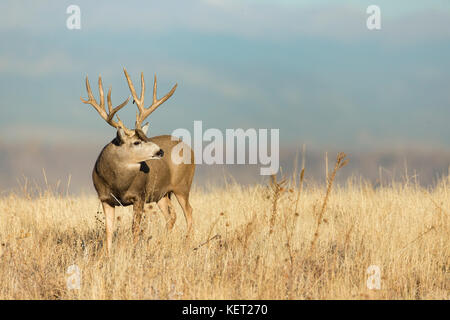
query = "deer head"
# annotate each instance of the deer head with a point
(133, 146)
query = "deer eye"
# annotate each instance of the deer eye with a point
(137, 143)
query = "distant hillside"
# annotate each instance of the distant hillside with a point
(20, 161)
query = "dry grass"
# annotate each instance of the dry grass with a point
(404, 229)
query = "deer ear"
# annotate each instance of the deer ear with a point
(145, 128)
(121, 135)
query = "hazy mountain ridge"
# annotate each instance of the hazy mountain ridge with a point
(29, 161)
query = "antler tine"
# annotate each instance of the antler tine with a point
(139, 102)
(143, 112)
(142, 88)
(101, 109)
(112, 111)
(154, 90)
(156, 102)
(100, 90)
(88, 89)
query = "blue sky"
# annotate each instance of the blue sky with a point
(309, 68)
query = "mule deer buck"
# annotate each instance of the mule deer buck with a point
(134, 170)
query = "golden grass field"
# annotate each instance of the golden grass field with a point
(265, 242)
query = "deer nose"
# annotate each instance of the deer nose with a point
(160, 153)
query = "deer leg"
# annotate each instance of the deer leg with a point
(165, 205)
(138, 209)
(109, 218)
(183, 200)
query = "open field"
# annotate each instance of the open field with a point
(265, 243)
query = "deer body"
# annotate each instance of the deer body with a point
(134, 169)
(151, 180)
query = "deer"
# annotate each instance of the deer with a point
(136, 170)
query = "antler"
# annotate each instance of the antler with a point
(145, 112)
(109, 118)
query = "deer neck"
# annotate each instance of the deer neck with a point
(118, 173)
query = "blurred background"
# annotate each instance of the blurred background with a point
(310, 68)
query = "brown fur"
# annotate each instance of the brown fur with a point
(150, 181)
